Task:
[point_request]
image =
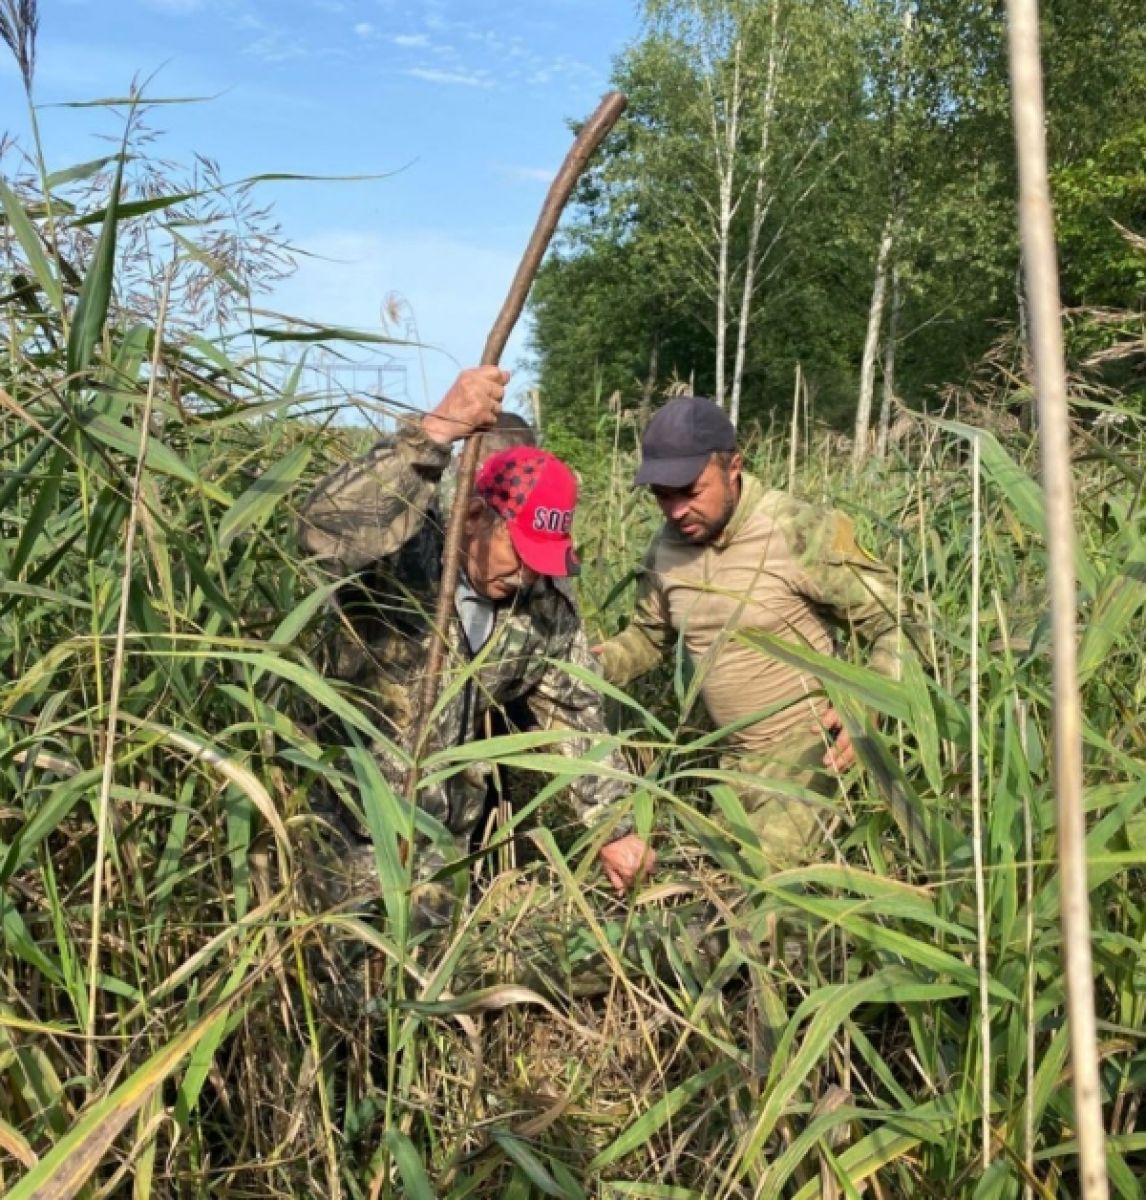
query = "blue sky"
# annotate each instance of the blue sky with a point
(462, 103)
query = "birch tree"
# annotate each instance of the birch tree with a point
(897, 95)
(755, 128)
(711, 35)
(871, 345)
(761, 203)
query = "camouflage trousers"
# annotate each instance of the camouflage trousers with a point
(780, 793)
(521, 928)
(538, 937)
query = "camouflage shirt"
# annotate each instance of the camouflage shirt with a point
(781, 565)
(375, 520)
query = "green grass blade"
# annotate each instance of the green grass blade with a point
(532, 1166)
(254, 507)
(659, 1114)
(95, 292)
(38, 261)
(414, 1177)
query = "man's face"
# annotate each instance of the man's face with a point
(492, 563)
(700, 511)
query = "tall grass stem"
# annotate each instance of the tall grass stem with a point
(103, 807)
(1036, 227)
(793, 448)
(977, 802)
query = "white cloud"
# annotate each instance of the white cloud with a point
(277, 47)
(464, 78)
(364, 29)
(531, 174)
(411, 41)
(175, 7)
(452, 287)
(564, 72)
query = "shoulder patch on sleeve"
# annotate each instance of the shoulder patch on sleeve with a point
(844, 542)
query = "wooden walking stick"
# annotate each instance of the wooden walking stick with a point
(592, 134)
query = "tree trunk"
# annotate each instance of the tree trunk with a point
(1029, 414)
(645, 411)
(726, 143)
(871, 344)
(887, 249)
(888, 400)
(759, 211)
(746, 299)
(535, 408)
(794, 443)
(723, 234)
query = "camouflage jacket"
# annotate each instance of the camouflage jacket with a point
(375, 520)
(783, 566)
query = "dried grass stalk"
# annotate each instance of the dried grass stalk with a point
(1036, 222)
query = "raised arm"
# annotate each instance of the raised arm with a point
(368, 509)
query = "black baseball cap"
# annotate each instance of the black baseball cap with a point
(680, 439)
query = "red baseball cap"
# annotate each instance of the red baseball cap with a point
(536, 495)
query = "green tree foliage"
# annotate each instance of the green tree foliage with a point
(888, 108)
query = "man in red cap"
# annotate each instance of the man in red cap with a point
(515, 626)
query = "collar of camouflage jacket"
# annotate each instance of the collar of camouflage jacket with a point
(751, 493)
(476, 612)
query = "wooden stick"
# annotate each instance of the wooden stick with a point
(592, 134)
(1036, 225)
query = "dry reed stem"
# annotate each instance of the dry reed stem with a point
(1036, 224)
(793, 445)
(1029, 942)
(103, 806)
(977, 804)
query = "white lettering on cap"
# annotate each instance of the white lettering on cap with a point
(552, 520)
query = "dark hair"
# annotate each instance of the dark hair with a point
(508, 431)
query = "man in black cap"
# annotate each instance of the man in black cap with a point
(734, 557)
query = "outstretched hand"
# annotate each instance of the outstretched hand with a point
(473, 402)
(841, 754)
(626, 861)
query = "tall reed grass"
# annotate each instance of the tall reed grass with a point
(177, 1015)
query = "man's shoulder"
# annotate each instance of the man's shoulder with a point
(784, 511)
(562, 587)
(547, 617)
(550, 599)
(415, 567)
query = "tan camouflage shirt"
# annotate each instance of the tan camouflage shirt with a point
(781, 565)
(369, 520)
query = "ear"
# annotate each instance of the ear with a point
(735, 465)
(475, 515)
